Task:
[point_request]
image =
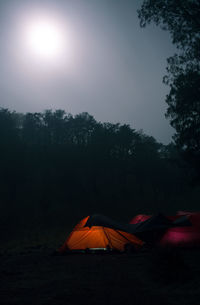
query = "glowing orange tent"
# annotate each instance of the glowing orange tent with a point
(93, 237)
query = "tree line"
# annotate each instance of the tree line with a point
(56, 166)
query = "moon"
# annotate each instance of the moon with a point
(45, 39)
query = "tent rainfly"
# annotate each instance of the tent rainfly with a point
(182, 229)
(99, 233)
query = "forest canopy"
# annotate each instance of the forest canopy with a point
(53, 163)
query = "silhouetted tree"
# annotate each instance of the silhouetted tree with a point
(10, 156)
(181, 19)
(53, 163)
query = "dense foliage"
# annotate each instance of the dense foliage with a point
(55, 165)
(181, 19)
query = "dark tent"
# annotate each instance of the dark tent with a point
(168, 230)
(152, 229)
(184, 236)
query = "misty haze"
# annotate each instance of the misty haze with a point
(100, 152)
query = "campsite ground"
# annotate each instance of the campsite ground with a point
(30, 274)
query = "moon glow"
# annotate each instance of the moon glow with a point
(45, 39)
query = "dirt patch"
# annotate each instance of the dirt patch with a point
(35, 276)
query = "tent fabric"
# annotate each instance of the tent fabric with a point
(184, 229)
(143, 217)
(185, 236)
(139, 218)
(104, 221)
(150, 228)
(85, 237)
(101, 220)
(154, 222)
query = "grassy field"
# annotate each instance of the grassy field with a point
(30, 274)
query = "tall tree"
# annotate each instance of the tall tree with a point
(181, 19)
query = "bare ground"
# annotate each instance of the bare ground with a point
(30, 274)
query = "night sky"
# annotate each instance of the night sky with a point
(112, 68)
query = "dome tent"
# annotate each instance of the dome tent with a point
(183, 229)
(184, 236)
(99, 233)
